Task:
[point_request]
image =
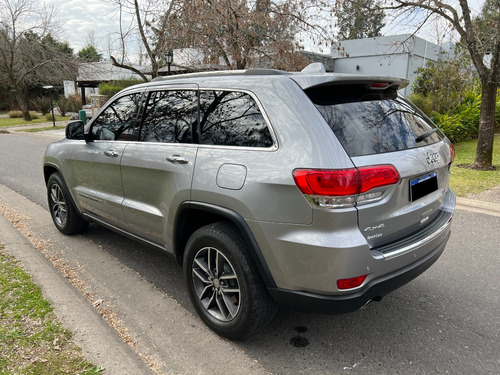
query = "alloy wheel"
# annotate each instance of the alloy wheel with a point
(216, 284)
(58, 205)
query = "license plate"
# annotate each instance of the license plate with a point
(423, 185)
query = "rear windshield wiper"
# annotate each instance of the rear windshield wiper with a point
(421, 137)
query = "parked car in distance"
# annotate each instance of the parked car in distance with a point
(88, 110)
(314, 190)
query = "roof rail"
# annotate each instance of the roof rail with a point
(250, 72)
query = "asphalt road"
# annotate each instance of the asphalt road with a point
(447, 321)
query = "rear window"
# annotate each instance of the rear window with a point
(369, 123)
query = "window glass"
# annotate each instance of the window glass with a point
(169, 117)
(368, 127)
(232, 119)
(118, 120)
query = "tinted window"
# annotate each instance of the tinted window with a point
(366, 127)
(169, 117)
(232, 119)
(118, 120)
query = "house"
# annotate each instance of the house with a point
(90, 75)
(396, 56)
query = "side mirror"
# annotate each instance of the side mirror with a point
(75, 130)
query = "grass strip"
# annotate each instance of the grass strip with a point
(19, 121)
(466, 182)
(32, 340)
(35, 130)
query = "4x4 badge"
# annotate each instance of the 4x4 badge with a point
(371, 229)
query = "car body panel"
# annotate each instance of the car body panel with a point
(96, 179)
(153, 185)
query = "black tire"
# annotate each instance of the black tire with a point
(64, 214)
(228, 294)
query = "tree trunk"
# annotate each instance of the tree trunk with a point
(484, 151)
(23, 103)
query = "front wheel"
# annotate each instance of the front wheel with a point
(62, 210)
(224, 284)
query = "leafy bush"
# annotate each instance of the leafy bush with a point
(48, 116)
(33, 115)
(76, 103)
(42, 104)
(65, 105)
(15, 114)
(111, 88)
(462, 123)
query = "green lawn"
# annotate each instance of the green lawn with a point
(32, 341)
(19, 121)
(36, 130)
(467, 181)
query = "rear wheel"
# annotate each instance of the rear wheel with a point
(62, 210)
(224, 284)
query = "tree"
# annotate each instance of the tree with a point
(236, 32)
(478, 44)
(445, 83)
(241, 32)
(143, 15)
(89, 54)
(359, 19)
(29, 55)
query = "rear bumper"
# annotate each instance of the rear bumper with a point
(374, 290)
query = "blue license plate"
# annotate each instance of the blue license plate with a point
(423, 185)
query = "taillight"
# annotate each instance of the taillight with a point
(376, 176)
(379, 85)
(452, 153)
(327, 182)
(338, 182)
(344, 187)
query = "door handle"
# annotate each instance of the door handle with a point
(177, 159)
(111, 153)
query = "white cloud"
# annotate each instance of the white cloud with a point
(79, 18)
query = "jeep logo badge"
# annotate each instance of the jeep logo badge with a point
(432, 158)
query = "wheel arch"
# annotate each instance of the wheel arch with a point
(194, 215)
(48, 169)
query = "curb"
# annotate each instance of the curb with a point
(473, 205)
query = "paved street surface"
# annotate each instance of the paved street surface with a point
(445, 321)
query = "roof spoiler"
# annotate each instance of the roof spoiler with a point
(315, 75)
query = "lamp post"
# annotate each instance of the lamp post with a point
(169, 58)
(51, 104)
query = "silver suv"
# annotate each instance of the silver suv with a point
(314, 190)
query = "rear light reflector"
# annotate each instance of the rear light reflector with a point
(351, 283)
(343, 182)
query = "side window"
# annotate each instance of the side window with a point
(118, 120)
(169, 116)
(232, 119)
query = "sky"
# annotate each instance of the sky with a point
(78, 18)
